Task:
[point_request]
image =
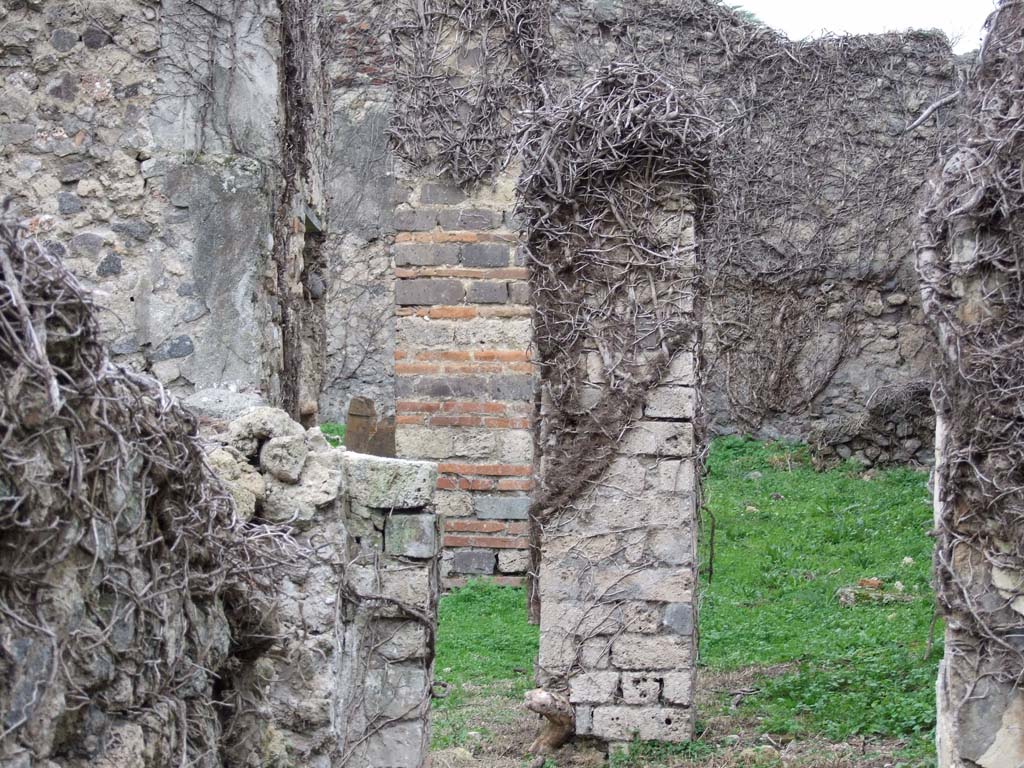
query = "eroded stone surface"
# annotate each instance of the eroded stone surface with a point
(390, 483)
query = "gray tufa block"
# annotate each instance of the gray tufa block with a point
(501, 507)
(679, 618)
(411, 536)
(478, 562)
(383, 483)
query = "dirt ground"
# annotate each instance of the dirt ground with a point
(506, 731)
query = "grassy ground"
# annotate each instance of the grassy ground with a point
(789, 674)
(335, 433)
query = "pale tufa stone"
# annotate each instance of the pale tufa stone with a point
(638, 651)
(319, 485)
(259, 424)
(513, 560)
(284, 457)
(671, 403)
(659, 438)
(389, 483)
(621, 723)
(593, 687)
(677, 687)
(638, 688)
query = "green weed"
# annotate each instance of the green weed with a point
(333, 433)
(485, 651)
(651, 754)
(786, 539)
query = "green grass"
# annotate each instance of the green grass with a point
(651, 753)
(485, 650)
(334, 433)
(785, 542)
(787, 538)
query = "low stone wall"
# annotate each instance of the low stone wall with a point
(349, 676)
(464, 372)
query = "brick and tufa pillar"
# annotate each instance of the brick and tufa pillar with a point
(464, 376)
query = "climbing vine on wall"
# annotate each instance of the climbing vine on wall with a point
(463, 69)
(128, 585)
(815, 180)
(971, 263)
(613, 177)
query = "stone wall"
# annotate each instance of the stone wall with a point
(362, 193)
(230, 590)
(850, 326)
(464, 376)
(146, 144)
(241, 229)
(347, 682)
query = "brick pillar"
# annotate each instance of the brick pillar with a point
(464, 377)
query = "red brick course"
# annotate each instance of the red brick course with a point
(490, 542)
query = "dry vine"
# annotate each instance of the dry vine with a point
(815, 178)
(613, 176)
(463, 69)
(971, 262)
(127, 584)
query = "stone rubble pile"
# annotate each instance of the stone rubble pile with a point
(349, 676)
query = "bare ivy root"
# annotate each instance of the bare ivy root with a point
(971, 262)
(463, 70)
(608, 175)
(128, 587)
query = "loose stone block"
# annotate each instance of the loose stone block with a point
(389, 483)
(256, 425)
(640, 689)
(284, 457)
(593, 687)
(501, 507)
(637, 651)
(412, 536)
(477, 562)
(319, 485)
(622, 723)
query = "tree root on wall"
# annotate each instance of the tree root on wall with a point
(559, 725)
